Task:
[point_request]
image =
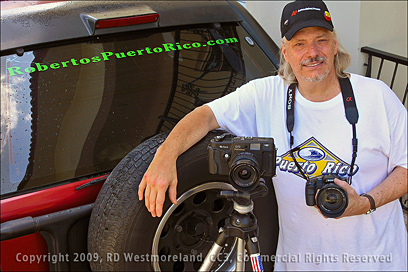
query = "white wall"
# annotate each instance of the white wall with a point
(383, 25)
(378, 24)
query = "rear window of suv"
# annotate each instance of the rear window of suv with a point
(76, 110)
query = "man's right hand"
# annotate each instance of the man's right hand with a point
(160, 176)
(162, 172)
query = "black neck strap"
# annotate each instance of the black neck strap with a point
(351, 115)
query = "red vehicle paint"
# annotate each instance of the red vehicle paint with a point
(30, 252)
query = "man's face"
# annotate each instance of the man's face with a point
(311, 53)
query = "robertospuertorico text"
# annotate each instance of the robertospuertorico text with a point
(105, 56)
(131, 257)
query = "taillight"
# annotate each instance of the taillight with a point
(126, 21)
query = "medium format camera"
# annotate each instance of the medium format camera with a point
(331, 199)
(244, 159)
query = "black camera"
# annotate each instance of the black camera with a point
(331, 199)
(244, 159)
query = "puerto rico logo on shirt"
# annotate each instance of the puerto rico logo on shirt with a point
(315, 160)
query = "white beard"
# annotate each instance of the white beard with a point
(317, 78)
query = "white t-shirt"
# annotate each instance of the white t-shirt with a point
(308, 241)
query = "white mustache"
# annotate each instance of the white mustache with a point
(310, 60)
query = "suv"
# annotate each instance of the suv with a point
(89, 89)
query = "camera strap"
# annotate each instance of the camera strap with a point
(351, 115)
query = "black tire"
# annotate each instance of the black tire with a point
(120, 224)
(404, 202)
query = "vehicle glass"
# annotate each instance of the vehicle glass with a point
(76, 110)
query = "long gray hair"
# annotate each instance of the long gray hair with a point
(342, 60)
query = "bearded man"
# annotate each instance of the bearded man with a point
(303, 110)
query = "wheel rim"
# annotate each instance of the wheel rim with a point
(187, 230)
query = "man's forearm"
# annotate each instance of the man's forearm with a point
(188, 131)
(392, 188)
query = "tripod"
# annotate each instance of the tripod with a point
(241, 224)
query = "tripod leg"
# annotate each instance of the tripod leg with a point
(254, 254)
(210, 258)
(240, 255)
(212, 255)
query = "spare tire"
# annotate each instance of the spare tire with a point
(123, 236)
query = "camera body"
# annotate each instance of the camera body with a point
(330, 198)
(244, 159)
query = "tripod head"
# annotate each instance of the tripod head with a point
(241, 224)
(244, 198)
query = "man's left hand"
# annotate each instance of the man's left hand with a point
(357, 205)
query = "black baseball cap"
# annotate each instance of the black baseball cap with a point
(300, 14)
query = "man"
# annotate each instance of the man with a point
(370, 234)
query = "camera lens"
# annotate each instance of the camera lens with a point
(332, 200)
(244, 174)
(244, 171)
